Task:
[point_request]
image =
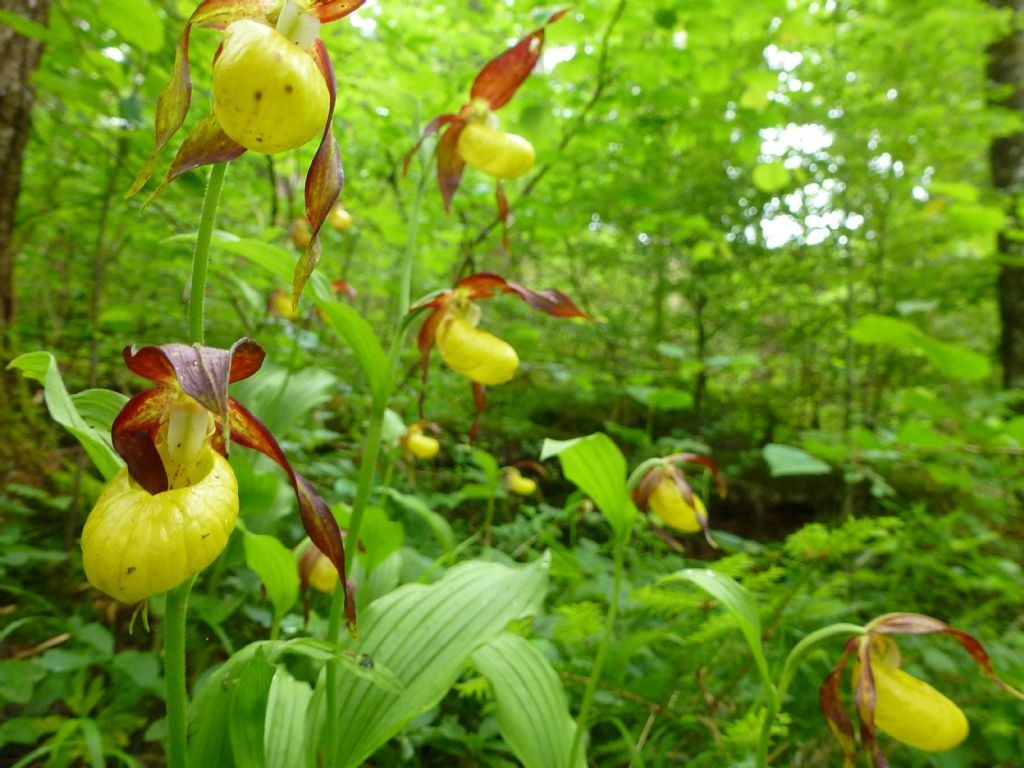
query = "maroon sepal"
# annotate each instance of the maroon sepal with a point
(133, 434)
(431, 128)
(202, 372)
(501, 77)
(499, 194)
(343, 287)
(704, 461)
(173, 102)
(864, 699)
(667, 537)
(838, 720)
(644, 489)
(919, 624)
(317, 519)
(480, 399)
(331, 10)
(325, 177)
(450, 164)
(549, 300)
(206, 144)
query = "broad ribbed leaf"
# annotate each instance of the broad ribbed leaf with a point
(362, 339)
(424, 635)
(598, 468)
(210, 743)
(532, 711)
(41, 367)
(736, 599)
(787, 461)
(287, 705)
(99, 407)
(248, 711)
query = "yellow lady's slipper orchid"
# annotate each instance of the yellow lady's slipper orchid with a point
(339, 218)
(888, 699)
(913, 712)
(169, 512)
(518, 484)
(420, 445)
(668, 503)
(268, 93)
(495, 152)
(137, 544)
(479, 356)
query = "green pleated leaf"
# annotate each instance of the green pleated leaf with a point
(736, 599)
(41, 367)
(424, 635)
(287, 704)
(210, 741)
(533, 714)
(99, 407)
(276, 567)
(598, 468)
(247, 712)
(361, 338)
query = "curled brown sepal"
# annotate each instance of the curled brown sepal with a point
(450, 164)
(548, 300)
(327, 11)
(173, 103)
(502, 201)
(203, 373)
(667, 537)
(642, 493)
(316, 516)
(480, 400)
(706, 462)
(501, 77)
(206, 144)
(864, 699)
(325, 177)
(429, 130)
(830, 698)
(919, 624)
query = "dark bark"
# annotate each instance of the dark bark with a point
(1006, 157)
(19, 56)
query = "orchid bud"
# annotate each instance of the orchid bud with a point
(136, 544)
(268, 93)
(495, 152)
(476, 354)
(671, 506)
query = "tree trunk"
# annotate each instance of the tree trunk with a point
(1006, 157)
(19, 56)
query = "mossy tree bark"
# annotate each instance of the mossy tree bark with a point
(1006, 157)
(19, 56)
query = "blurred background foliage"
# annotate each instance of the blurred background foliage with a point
(781, 212)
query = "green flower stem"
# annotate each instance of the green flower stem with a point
(489, 519)
(201, 254)
(371, 454)
(793, 660)
(176, 611)
(175, 615)
(602, 652)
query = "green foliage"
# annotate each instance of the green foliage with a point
(782, 215)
